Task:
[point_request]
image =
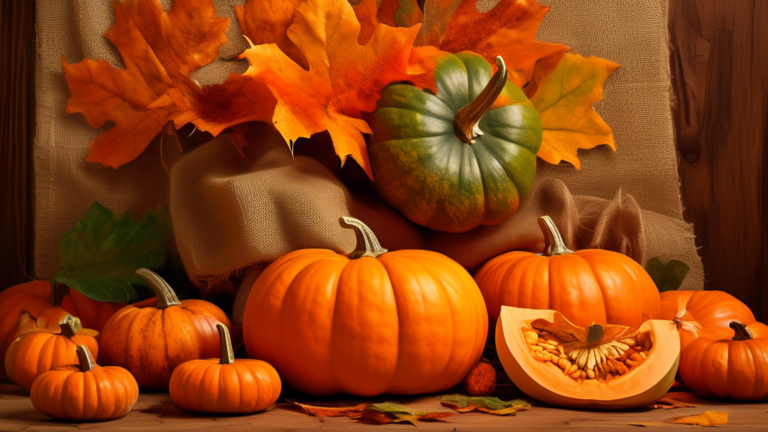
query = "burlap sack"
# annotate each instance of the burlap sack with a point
(234, 214)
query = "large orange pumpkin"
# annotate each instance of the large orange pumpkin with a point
(367, 323)
(37, 296)
(225, 385)
(151, 340)
(587, 286)
(39, 351)
(92, 392)
(703, 313)
(733, 367)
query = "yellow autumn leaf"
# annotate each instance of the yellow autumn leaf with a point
(563, 88)
(708, 418)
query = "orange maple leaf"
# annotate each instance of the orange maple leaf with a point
(400, 13)
(267, 21)
(507, 30)
(158, 49)
(563, 88)
(344, 78)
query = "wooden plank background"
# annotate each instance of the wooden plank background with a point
(719, 61)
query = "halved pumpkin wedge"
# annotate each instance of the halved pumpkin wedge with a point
(607, 367)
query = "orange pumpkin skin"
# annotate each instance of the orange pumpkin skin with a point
(38, 352)
(587, 286)
(405, 322)
(226, 385)
(93, 314)
(100, 393)
(726, 368)
(150, 341)
(712, 310)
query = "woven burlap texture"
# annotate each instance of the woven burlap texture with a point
(230, 212)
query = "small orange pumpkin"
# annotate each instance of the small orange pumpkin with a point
(703, 313)
(733, 368)
(39, 351)
(590, 286)
(85, 391)
(367, 323)
(225, 385)
(37, 296)
(151, 340)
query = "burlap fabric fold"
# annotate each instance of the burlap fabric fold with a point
(232, 214)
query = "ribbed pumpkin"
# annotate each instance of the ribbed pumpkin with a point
(367, 323)
(704, 313)
(587, 286)
(39, 351)
(735, 367)
(151, 341)
(37, 296)
(460, 158)
(85, 391)
(225, 385)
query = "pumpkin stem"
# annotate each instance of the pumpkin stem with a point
(594, 333)
(70, 326)
(741, 332)
(367, 243)
(553, 241)
(227, 356)
(84, 359)
(165, 295)
(466, 120)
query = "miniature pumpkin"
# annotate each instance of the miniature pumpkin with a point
(733, 368)
(367, 323)
(150, 341)
(460, 158)
(85, 391)
(39, 351)
(608, 367)
(37, 296)
(704, 312)
(225, 385)
(587, 286)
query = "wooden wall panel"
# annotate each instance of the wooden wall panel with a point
(719, 59)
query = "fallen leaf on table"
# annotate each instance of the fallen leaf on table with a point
(708, 418)
(678, 400)
(344, 78)
(332, 411)
(158, 49)
(488, 404)
(646, 424)
(101, 254)
(388, 412)
(563, 90)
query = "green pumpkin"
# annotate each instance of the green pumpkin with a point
(452, 161)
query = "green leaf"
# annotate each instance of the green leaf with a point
(489, 404)
(100, 255)
(667, 277)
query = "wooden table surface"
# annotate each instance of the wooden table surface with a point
(155, 411)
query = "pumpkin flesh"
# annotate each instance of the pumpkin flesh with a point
(643, 384)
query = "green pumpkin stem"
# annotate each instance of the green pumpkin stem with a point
(165, 295)
(465, 124)
(70, 326)
(553, 241)
(227, 355)
(367, 243)
(84, 359)
(741, 332)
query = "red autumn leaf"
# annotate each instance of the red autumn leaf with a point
(507, 30)
(563, 90)
(437, 15)
(678, 400)
(365, 11)
(158, 50)
(332, 411)
(267, 22)
(344, 78)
